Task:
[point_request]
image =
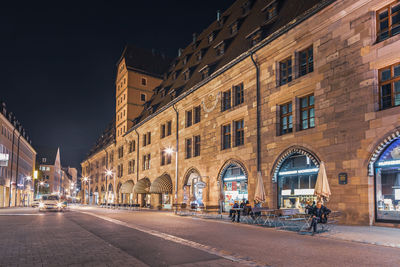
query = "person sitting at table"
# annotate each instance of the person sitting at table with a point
(254, 213)
(231, 211)
(309, 207)
(319, 215)
(235, 212)
(247, 209)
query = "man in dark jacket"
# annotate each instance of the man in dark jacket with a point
(235, 212)
(319, 215)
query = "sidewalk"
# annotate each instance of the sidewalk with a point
(375, 235)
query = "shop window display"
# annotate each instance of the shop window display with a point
(296, 182)
(235, 186)
(387, 183)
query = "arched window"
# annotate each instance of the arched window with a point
(297, 176)
(387, 183)
(234, 181)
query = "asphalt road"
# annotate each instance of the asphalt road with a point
(100, 237)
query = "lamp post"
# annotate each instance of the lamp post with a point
(109, 173)
(87, 180)
(27, 178)
(169, 151)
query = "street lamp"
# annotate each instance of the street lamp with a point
(169, 151)
(109, 173)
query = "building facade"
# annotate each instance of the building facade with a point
(53, 178)
(275, 88)
(17, 162)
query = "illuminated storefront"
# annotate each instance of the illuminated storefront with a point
(387, 183)
(234, 186)
(296, 182)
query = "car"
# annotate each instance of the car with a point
(51, 202)
(35, 203)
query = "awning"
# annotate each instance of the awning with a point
(162, 184)
(127, 187)
(142, 186)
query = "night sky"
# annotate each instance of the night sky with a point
(58, 60)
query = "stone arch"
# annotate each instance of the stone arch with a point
(227, 164)
(287, 153)
(188, 173)
(380, 147)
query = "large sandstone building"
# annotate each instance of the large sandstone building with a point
(271, 88)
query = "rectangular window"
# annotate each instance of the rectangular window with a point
(143, 97)
(169, 156)
(389, 86)
(239, 96)
(189, 118)
(149, 138)
(197, 114)
(226, 136)
(285, 71)
(286, 118)
(306, 61)
(146, 162)
(388, 21)
(163, 156)
(239, 133)
(307, 112)
(226, 100)
(188, 148)
(144, 140)
(196, 152)
(162, 130)
(131, 146)
(169, 128)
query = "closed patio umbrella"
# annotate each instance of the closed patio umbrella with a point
(322, 190)
(260, 192)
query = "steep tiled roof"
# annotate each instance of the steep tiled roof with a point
(107, 137)
(46, 155)
(250, 18)
(147, 61)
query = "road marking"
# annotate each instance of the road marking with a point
(20, 214)
(221, 253)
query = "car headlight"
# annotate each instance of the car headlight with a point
(59, 205)
(41, 205)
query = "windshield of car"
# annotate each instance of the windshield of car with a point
(50, 198)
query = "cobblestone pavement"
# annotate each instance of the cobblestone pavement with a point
(29, 238)
(102, 237)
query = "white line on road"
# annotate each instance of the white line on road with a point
(20, 214)
(223, 254)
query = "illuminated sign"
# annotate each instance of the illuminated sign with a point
(237, 178)
(287, 192)
(303, 171)
(304, 192)
(4, 160)
(389, 162)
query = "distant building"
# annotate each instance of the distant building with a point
(17, 161)
(270, 90)
(55, 179)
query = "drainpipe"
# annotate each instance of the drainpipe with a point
(258, 111)
(105, 150)
(176, 154)
(16, 175)
(12, 161)
(137, 162)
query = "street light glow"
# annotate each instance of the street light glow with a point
(41, 183)
(28, 178)
(85, 179)
(109, 172)
(169, 150)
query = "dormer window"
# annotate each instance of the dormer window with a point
(246, 7)
(234, 27)
(186, 75)
(210, 37)
(271, 11)
(220, 48)
(255, 36)
(199, 55)
(205, 72)
(185, 60)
